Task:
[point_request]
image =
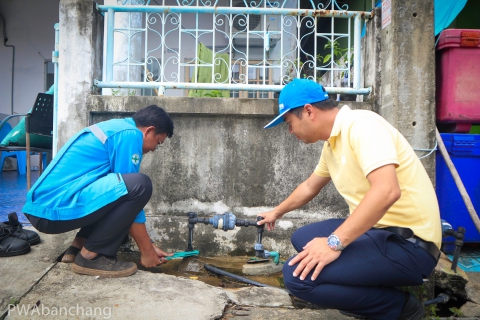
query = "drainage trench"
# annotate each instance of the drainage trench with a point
(194, 268)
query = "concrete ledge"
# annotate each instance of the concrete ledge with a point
(185, 105)
(196, 106)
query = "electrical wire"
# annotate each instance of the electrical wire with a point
(430, 151)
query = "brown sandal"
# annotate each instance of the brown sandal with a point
(70, 254)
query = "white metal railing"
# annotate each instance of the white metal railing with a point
(238, 46)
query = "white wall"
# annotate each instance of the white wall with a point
(29, 27)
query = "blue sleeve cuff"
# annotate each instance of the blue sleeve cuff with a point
(140, 217)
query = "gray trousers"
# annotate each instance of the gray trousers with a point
(105, 228)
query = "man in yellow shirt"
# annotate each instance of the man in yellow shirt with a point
(392, 235)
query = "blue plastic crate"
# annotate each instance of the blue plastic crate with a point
(464, 150)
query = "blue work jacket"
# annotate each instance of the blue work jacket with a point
(85, 175)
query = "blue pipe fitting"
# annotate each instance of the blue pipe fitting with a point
(445, 227)
(275, 256)
(258, 247)
(224, 221)
(265, 254)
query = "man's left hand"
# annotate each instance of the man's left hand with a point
(315, 255)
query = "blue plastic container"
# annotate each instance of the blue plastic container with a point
(464, 150)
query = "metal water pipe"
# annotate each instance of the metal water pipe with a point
(5, 39)
(459, 234)
(55, 91)
(228, 221)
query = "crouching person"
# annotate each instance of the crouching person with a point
(94, 184)
(392, 235)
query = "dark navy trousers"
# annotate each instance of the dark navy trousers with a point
(364, 278)
(106, 228)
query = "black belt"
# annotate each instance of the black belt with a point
(407, 234)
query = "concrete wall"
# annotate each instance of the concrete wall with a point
(80, 62)
(220, 159)
(29, 27)
(371, 66)
(408, 75)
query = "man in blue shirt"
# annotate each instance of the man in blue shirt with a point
(94, 184)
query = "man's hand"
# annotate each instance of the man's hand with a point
(160, 253)
(150, 255)
(150, 259)
(315, 255)
(269, 219)
(305, 192)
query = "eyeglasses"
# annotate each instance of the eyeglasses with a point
(160, 143)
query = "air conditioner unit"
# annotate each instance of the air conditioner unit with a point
(257, 27)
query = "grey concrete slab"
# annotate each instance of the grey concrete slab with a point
(18, 274)
(472, 307)
(261, 268)
(252, 313)
(144, 295)
(473, 287)
(260, 297)
(51, 289)
(63, 294)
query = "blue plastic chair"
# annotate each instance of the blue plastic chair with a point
(20, 155)
(38, 121)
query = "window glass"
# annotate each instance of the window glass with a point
(49, 74)
(256, 75)
(153, 74)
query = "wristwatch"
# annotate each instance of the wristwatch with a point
(334, 242)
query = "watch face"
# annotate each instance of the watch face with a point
(334, 242)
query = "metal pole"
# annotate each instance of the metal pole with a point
(55, 91)
(27, 142)
(356, 52)
(110, 31)
(215, 86)
(236, 10)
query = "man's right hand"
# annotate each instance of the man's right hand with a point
(150, 259)
(269, 219)
(305, 192)
(148, 254)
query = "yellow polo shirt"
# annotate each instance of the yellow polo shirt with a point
(362, 141)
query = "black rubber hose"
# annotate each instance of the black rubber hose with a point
(236, 277)
(441, 298)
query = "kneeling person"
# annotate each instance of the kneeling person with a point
(393, 234)
(94, 184)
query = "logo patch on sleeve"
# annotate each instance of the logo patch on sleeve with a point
(135, 159)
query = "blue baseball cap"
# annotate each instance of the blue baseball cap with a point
(296, 94)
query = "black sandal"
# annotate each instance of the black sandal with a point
(70, 254)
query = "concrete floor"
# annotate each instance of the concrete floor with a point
(13, 187)
(45, 287)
